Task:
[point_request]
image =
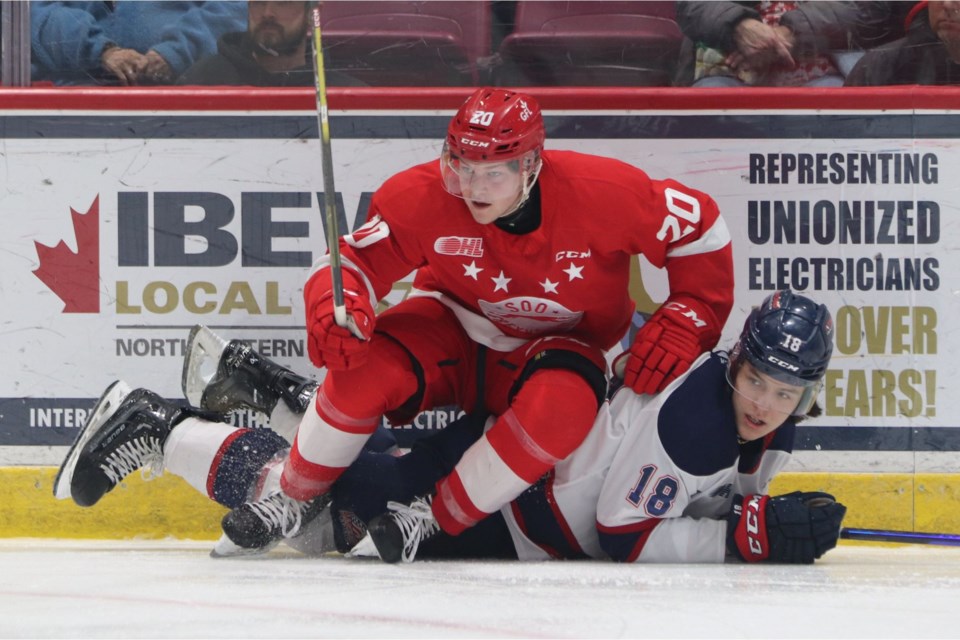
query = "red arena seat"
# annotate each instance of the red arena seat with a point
(590, 43)
(399, 43)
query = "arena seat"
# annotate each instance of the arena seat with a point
(401, 43)
(590, 43)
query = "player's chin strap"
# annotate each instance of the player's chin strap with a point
(529, 179)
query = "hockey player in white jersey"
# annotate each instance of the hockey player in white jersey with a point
(679, 477)
(682, 476)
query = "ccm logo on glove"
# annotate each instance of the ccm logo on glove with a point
(686, 312)
(795, 528)
(751, 528)
(666, 345)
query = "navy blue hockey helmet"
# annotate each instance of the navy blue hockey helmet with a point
(789, 337)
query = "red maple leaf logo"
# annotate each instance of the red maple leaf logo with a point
(75, 277)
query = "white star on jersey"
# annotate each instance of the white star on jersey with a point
(574, 272)
(471, 270)
(549, 287)
(500, 282)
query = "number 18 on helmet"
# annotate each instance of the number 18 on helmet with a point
(789, 337)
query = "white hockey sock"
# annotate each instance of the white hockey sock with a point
(285, 422)
(191, 448)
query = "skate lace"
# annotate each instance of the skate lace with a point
(416, 523)
(280, 512)
(142, 453)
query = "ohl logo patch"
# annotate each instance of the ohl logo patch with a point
(75, 276)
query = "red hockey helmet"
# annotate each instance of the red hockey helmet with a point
(496, 125)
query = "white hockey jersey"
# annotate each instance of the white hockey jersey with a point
(654, 480)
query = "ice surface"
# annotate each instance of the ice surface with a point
(173, 589)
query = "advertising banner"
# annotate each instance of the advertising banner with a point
(123, 231)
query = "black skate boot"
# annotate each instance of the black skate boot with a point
(224, 376)
(397, 534)
(125, 431)
(256, 527)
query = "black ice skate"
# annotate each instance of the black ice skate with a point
(398, 533)
(125, 431)
(256, 527)
(224, 376)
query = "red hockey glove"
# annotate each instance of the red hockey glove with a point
(796, 528)
(328, 344)
(667, 344)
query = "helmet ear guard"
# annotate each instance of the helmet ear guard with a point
(530, 161)
(789, 337)
(530, 168)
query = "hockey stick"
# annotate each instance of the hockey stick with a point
(909, 537)
(330, 195)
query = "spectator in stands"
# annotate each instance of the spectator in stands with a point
(878, 22)
(929, 54)
(125, 42)
(774, 44)
(274, 51)
(882, 21)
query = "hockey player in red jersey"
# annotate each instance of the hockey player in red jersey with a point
(522, 260)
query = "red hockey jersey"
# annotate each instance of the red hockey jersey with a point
(569, 276)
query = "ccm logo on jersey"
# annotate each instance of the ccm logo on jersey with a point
(570, 255)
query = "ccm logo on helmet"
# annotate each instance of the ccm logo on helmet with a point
(783, 365)
(474, 143)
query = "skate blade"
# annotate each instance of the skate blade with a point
(204, 349)
(112, 397)
(226, 548)
(364, 549)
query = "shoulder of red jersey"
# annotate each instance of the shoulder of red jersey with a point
(414, 201)
(610, 187)
(576, 165)
(421, 176)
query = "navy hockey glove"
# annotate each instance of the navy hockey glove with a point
(328, 344)
(667, 344)
(795, 528)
